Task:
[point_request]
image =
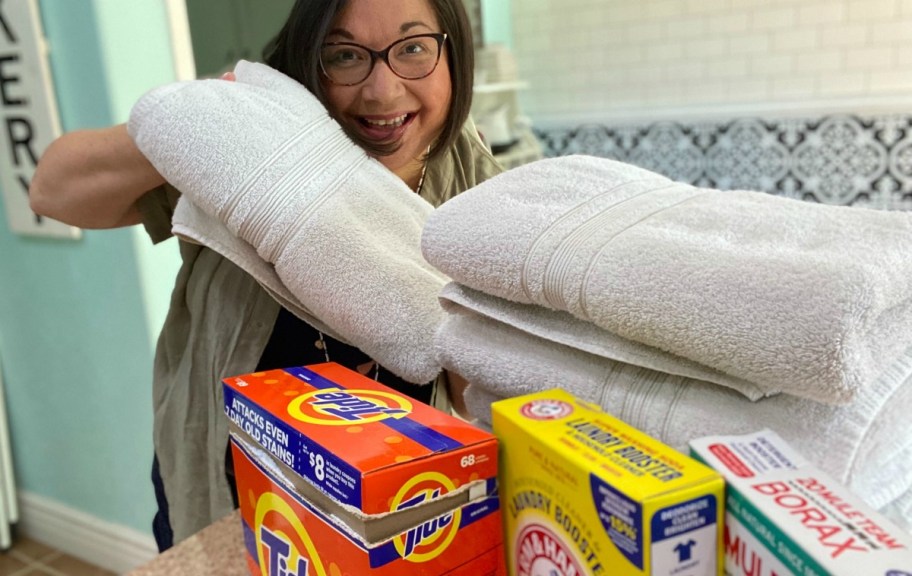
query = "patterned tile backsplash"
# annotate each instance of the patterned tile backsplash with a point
(839, 159)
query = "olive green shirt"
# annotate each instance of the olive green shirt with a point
(218, 324)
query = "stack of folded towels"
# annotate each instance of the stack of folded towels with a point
(686, 311)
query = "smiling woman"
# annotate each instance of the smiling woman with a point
(393, 118)
(408, 110)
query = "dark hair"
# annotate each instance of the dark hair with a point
(295, 52)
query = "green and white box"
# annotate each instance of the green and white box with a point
(785, 517)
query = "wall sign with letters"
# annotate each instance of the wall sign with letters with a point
(28, 115)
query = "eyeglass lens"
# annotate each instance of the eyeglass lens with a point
(409, 58)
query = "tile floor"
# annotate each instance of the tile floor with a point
(30, 558)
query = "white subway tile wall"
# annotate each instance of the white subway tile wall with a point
(653, 55)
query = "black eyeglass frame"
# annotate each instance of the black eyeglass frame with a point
(375, 55)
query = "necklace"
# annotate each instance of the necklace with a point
(321, 344)
(423, 170)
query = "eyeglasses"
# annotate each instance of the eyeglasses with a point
(410, 58)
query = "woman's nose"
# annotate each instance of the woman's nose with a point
(382, 83)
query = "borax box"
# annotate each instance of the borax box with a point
(586, 494)
(339, 475)
(785, 517)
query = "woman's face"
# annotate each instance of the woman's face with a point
(386, 109)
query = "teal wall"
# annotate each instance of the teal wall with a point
(78, 318)
(496, 22)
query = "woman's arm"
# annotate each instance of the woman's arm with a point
(92, 179)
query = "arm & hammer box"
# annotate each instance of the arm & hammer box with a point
(785, 517)
(586, 494)
(338, 475)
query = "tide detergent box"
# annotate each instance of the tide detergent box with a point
(586, 494)
(339, 475)
(785, 517)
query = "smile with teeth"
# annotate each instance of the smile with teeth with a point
(387, 122)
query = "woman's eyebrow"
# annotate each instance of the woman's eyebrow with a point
(405, 27)
(340, 32)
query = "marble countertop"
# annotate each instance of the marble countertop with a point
(217, 550)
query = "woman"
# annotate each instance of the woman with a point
(397, 76)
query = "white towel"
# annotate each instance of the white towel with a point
(193, 225)
(262, 156)
(792, 296)
(564, 328)
(900, 511)
(866, 445)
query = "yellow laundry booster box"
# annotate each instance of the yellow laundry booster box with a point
(583, 493)
(786, 517)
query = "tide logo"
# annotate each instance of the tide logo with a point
(338, 407)
(283, 546)
(539, 552)
(429, 540)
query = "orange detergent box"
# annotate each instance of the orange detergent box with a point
(586, 494)
(786, 517)
(339, 475)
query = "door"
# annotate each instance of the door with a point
(225, 31)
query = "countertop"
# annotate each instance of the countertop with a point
(217, 550)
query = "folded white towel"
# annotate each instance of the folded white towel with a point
(564, 328)
(866, 444)
(792, 296)
(900, 511)
(193, 225)
(262, 156)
